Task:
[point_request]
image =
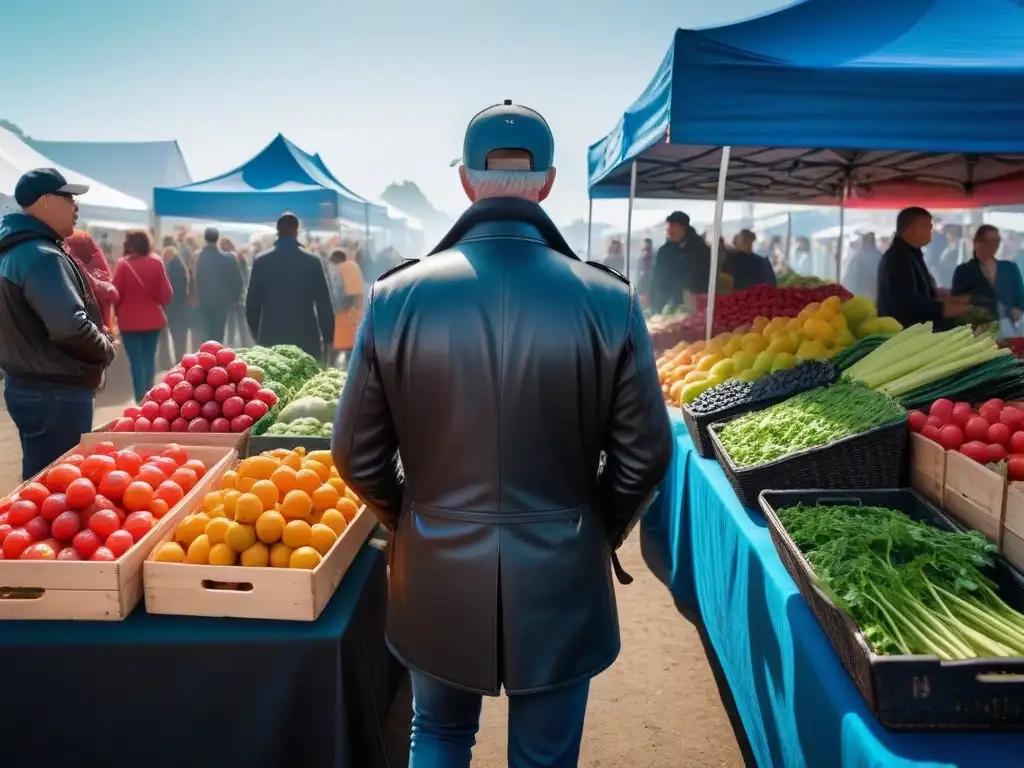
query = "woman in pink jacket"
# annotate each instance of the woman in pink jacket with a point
(93, 265)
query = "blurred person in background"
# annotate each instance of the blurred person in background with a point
(615, 258)
(951, 255)
(349, 296)
(644, 269)
(990, 283)
(53, 350)
(288, 300)
(178, 308)
(860, 275)
(236, 318)
(746, 267)
(802, 262)
(682, 264)
(217, 282)
(143, 290)
(93, 265)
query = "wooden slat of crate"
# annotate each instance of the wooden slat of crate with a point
(975, 495)
(30, 589)
(927, 467)
(235, 440)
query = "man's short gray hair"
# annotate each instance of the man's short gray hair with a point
(523, 184)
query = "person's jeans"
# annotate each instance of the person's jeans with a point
(544, 729)
(50, 422)
(214, 323)
(140, 346)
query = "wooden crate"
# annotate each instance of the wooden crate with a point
(1012, 543)
(975, 495)
(253, 593)
(927, 467)
(85, 590)
(237, 441)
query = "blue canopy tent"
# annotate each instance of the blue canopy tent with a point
(282, 177)
(862, 103)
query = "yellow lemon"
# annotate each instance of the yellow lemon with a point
(322, 538)
(280, 554)
(832, 303)
(211, 501)
(733, 346)
(191, 527)
(256, 556)
(754, 343)
(266, 492)
(199, 550)
(334, 520)
(742, 361)
(763, 362)
(759, 324)
(783, 361)
(794, 324)
(217, 528)
(240, 536)
(217, 511)
(324, 457)
(304, 557)
(296, 505)
(230, 500)
(722, 370)
(818, 330)
(325, 497)
(248, 508)
(782, 342)
(270, 527)
(229, 481)
(296, 533)
(171, 552)
(812, 350)
(337, 483)
(222, 554)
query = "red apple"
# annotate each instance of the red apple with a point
(160, 392)
(256, 409)
(241, 423)
(211, 410)
(220, 424)
(190, 409)
(223, 392)
(179, 425)
(268, 396)
(160, 424)
(232, 407)
(132, 412)
(217, 377)
(224, 355)
(237, 370)
(142, 424)
(210, 347)
(199, 425)
(190, 360)
(247, 388)
(173, 379)
(204, 393)
(150, 410)
(169, 409)
(196, 375)
(207, 360)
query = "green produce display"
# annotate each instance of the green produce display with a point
(790, 279)
(291, 371)
(912, 588)
(311, 410)
(306, 427)
(851, 355)
(1001, 377)
(808, 420)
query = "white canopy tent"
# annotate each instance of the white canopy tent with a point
(100, 202)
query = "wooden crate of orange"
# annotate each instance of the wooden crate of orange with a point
(106, 589)
(272, 543)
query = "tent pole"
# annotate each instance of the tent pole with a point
(716, 237)
(590, 223)
(789, 238)
(366, 215)
(629, 215)
(842, 237)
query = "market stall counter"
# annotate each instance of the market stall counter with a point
(175, 690)
(798, 706)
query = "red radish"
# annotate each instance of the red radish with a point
(190, 409)
(247, 388)
(1015, 467)
(189, 361)
(210, 410)
(160, 392)
(1000, 434)
(179, 425)
(142, 424)
(220, 424)
(269, 397)
(930, 432)
(150, 410)
(204, 393)
(996, 453)
(917, 419)
(173, 379)
(977, 429)
(223, 392)
(196, 375)
(232, 407)
(132, 412)
(975, 451)
(962, 413)
(241, 423)
(942, 409)
(210, 347)
(207, 361)
(237, 370)
(217, 377)
(256, 409)
(199, 425)
(182, 392)
(950, 437)
(224, 355)
(169, 409)
(160, 424)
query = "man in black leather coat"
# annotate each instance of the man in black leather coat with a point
(502, 366)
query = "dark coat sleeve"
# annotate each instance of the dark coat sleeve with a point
(659, 281)
(904, 299)
(49, 291)
(323, 303)
(962, 284)
(254, 299)
(639, 446)
(1016, 291)
(364, 444)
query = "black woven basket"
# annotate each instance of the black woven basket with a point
(873, 459)
(908, 692)
(698, 426)
(261, 443)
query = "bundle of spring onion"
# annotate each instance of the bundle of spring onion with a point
(910, 587)
(915, 357)
(1001, 378)
(854, 354)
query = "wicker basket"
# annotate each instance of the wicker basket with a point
(908, 692)
(873, 459)
(698, 425)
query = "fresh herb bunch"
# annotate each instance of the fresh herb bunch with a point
(912, 588)
(807, 420)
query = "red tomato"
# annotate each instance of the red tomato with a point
(34, 492)
(68, 553)
(137, 496)
(16, 542)
(85, 543)
(104, 522)
(990, 412)
(196, 466)
(1012, 418)
(185, 477)
(962, 413)
(75, 459)
(975, 451)
(38, 528)
(1017, 443)
(934, 421)
(917, 420)
(138, 524)
(119, 542)
(4, 530)
(999, 434)
(114, 484)
(170, 492)
(39, 551)
(128, 461)
(97, 466)
(54, 506)
(66, 526)
(81, 493)
(151, 476)
(103, 554)
(21, 512)
(950, 437)
(176, 452)
(61, 476)
(165, 464)
(942, 409)
(1015, 466)
(106, 448)
(996, 453)
(977, 429)
(931, 432)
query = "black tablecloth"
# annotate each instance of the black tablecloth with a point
(156, 691)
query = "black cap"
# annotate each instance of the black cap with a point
(44, 181)
(211, 235)
(678, 217)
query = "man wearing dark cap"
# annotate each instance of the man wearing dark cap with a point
(53, 347)
(502, 367)
(289, 299)
(682, 264)
(218, 286)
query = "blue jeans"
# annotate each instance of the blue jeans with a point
(544, 729)
(140, 346)
(50, 422)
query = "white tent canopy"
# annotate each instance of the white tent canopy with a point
(100, 202)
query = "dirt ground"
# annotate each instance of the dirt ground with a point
(657, 707)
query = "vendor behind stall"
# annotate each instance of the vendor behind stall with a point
(906, 289)
(988, 283)
(682, 264)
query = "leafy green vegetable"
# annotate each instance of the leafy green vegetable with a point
(807, 420)
(912, 588)
(304, 366)
(306, 427)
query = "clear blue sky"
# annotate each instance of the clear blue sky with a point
(382, 89)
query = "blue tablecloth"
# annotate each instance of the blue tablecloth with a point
(798, 705)
(163, 691)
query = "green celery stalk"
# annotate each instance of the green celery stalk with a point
(933, 373)
(883, 351)
(940, 345)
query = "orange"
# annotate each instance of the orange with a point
(322, 471)
(229, 481)
(171, 552)
(280, 554)
(248, 508)
(258, 467)
(266, 491)
(322, 538)
(337, 483)
(334, 520)
(199, 550)
(292, 461)
(212, 500)
(296, 505)
(306, 558)
(245, 484)
(137, 496)
(348, 508)
(270, 527)
(325, 497)
(307, 480)
(158, 508)
(284, 479)
(190, 528)
(297, 534)
(230, 499)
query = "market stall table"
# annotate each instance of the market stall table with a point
(798, 706)
(172, 690)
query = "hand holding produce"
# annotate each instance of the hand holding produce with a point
(807, 420)
(282, 509)
(95, 506)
